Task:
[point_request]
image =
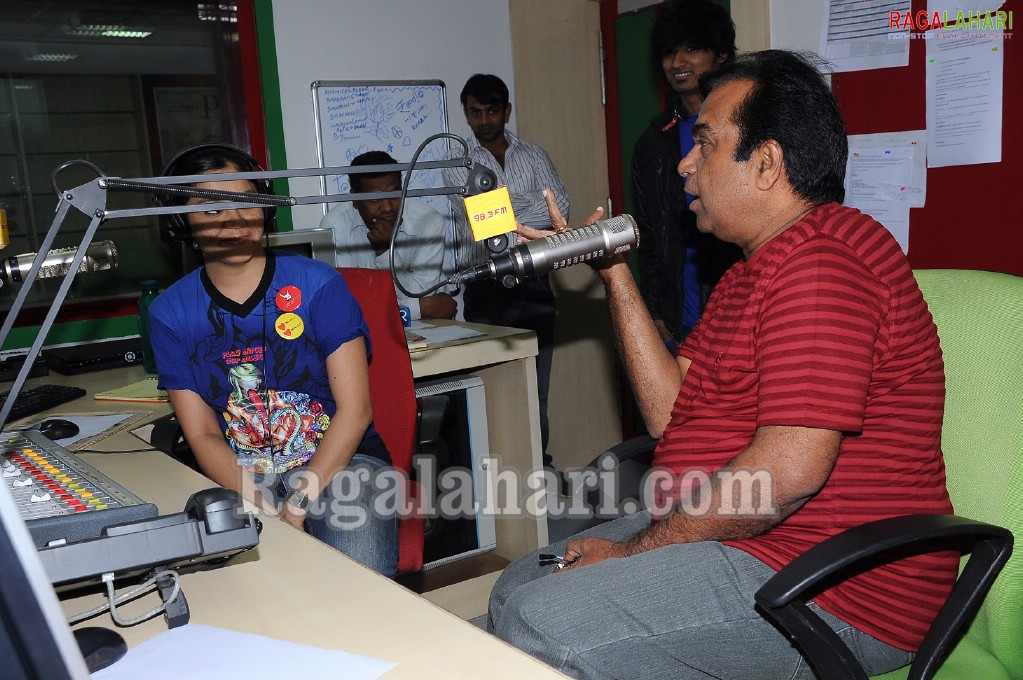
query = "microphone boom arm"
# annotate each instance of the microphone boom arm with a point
(91, 200)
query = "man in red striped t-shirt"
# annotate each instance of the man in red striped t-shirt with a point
(812, 388)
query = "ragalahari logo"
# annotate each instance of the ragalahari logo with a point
(960, 22)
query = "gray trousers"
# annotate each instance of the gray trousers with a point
(682, 611)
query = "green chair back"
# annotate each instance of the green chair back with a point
(980, 324)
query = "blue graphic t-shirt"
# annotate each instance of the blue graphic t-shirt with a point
(261, 364)
(690, 272)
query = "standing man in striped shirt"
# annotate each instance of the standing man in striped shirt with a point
(526, 170)
(807, 400)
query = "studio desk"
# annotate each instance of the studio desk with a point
(294, 588)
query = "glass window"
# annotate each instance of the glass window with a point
(123, 85)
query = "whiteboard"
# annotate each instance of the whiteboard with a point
(353, 117)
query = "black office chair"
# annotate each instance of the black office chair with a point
(784, 597)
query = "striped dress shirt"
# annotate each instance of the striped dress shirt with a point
(527, 171)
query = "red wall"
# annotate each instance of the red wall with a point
(972, 216)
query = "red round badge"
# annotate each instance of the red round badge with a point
(289, 298)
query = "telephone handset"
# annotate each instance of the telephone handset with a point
(218, 509)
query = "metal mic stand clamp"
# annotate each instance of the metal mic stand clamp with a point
(482, 180)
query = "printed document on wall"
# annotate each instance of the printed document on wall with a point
(915, 141)
(878, 183)
(858, 36)
(964, 97)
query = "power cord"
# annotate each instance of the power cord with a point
(401, 212)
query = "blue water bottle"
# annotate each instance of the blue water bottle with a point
(150, 289)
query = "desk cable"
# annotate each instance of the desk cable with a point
(137, 591)
(148, 450)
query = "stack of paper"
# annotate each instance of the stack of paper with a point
(143, 390)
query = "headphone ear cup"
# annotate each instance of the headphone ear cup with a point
(270, 218)
(177, 228)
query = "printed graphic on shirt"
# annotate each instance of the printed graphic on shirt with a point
(233, 357)
(271, 430)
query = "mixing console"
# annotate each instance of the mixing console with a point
(61, 497)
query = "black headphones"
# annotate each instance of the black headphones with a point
(177, 225)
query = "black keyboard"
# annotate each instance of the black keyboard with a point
(34, 399)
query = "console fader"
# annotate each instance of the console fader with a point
(61, 497)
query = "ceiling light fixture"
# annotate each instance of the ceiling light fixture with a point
(107, 31)
(52, 57)
(129, 33)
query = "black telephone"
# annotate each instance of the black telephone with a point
(218, 509)
(213, 528)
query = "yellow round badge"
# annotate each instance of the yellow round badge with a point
(289, 326)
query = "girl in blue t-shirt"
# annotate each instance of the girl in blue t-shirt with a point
(265, 357)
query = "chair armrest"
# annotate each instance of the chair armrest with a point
(639, 448)
(631, 458)
(167, 436)
(783, 597)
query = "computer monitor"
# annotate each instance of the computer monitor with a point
(315, 243)
(35, 640)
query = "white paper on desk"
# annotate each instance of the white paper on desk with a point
(435, 334)
(857, 36)
(90, 425)
(964, 92)
(198, 652)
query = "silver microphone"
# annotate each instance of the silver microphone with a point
(603, 238)
(98, 257)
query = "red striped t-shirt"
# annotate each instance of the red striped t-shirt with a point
(825, 327)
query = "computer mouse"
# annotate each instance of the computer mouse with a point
(100, 647)
(58, 428)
